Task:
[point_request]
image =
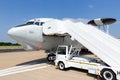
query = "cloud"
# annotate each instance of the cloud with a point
(84, 20)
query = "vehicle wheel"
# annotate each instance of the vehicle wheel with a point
(108, 74)
(61, 66)
(51, 57)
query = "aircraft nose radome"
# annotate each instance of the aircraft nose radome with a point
(12, 32)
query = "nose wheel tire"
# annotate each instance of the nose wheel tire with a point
(108, 74)
(51, 58)
(61, 66)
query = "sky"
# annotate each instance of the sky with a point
(16, 12)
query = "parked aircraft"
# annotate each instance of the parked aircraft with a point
(31, 35)
(48, 33)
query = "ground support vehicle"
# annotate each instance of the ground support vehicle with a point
(68, 56)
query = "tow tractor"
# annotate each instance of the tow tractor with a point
(68, 56)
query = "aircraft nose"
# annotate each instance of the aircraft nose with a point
(15, 33)
(29, 36)
(12, 32)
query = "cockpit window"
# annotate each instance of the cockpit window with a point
(30, 23)
(37, 23)
(42, 23)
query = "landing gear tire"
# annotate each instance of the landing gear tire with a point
(107, 74)
(51, 57)
(61, 66)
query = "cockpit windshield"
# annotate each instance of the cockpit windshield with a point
(31, 23)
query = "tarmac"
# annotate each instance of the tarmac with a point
(32, 65)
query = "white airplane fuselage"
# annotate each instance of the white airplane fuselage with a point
(32, 37)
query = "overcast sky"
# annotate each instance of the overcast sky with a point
(15, 12)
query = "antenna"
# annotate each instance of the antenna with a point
(104, 22)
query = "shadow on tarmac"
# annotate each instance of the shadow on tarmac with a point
(33, 62)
